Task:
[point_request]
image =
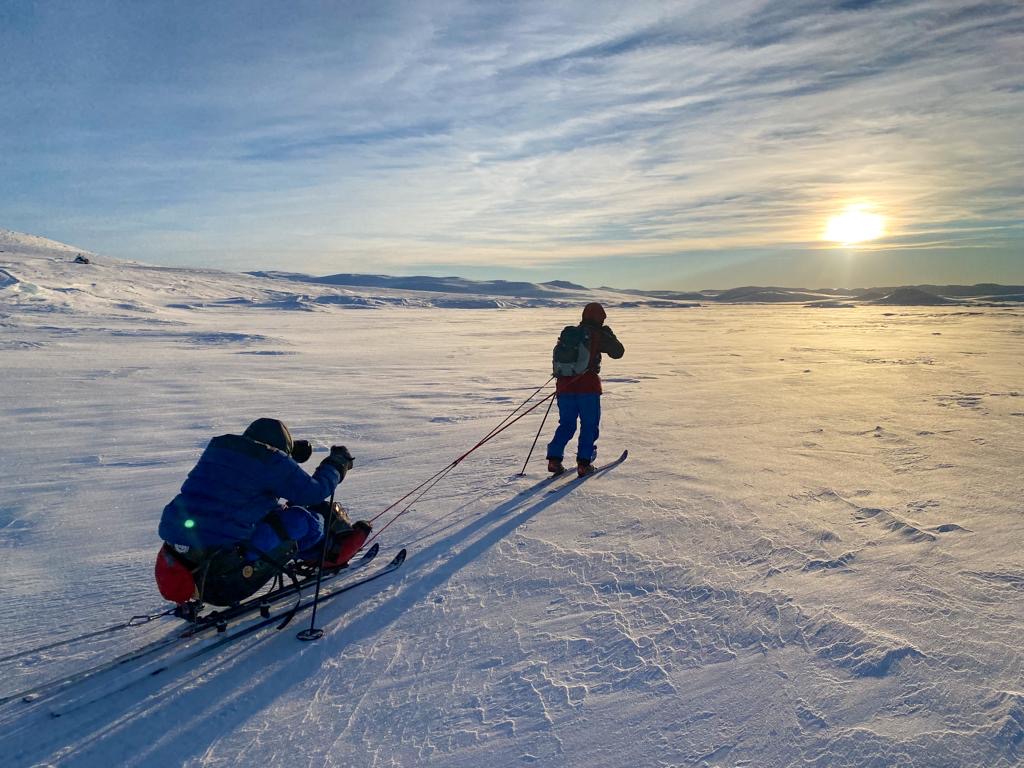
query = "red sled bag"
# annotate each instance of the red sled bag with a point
(173, 578)
(347, 545)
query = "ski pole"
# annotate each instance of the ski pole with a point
(314, 632)
(539, 430)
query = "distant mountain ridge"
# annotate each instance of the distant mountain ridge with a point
(457, 292)
(912, 297)
(458, 285)
(907, 295)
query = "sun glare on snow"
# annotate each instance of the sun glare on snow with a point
(854, 225)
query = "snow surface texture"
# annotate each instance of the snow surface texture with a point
(813, 556)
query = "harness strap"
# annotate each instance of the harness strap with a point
(282, 570)
(274, 521)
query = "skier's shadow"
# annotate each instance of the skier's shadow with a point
(205, 712)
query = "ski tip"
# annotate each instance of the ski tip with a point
(372, 551)
(400, 557)
(624, 455)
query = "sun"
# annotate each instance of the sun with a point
(854, 225)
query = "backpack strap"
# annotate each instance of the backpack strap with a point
(595, 347)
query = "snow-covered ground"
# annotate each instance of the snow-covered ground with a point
(814, 555)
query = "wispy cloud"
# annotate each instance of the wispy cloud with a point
(513, 135)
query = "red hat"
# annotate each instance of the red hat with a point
(594, 312)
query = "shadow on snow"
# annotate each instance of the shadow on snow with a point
(167, 721)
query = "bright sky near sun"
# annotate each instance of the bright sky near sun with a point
(853, 226)
(650, 144)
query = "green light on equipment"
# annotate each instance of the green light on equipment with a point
(190, 523)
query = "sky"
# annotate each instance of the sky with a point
(681, 145)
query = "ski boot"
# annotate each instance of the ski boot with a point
(584, 468)
(555, 466)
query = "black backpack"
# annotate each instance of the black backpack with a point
(571, 355)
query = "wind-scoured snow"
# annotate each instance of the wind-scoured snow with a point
(813, 555)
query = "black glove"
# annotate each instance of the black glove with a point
(340, 459)
(301, 450)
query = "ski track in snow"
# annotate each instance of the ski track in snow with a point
(813, 556)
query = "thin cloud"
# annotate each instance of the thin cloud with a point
(519, 134)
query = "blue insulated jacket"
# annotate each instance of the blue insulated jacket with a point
(236, 482)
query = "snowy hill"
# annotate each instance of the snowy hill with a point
(760, 295)
(296, 291)
(911, 297)
(19, 242)
(46, 271)
(553, 290)
(812, 556)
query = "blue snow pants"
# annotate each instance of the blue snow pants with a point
(586, 409)
(297, 523)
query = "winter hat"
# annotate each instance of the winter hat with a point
(594, 312)
(271, 432)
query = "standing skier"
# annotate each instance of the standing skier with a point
(227, 533)
(577, 365)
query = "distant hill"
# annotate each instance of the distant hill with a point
(978, 291)
(565, 291)
(565, 284)
(457, 285)
(370, 290)
(753, 294)
(911, 297)
(668, 295)
(972, 291)
(11, 241)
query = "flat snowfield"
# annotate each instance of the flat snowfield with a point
(813, 556)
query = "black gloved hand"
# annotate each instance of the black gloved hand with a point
(340, 459)
(301, 450)
(340, 453)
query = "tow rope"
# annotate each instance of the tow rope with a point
(421, 490)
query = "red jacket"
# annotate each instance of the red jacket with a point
(589, 383)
